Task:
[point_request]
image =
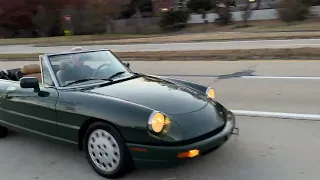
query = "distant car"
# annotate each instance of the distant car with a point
(120, 118)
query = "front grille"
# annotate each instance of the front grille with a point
(202, 137)
(189, 141)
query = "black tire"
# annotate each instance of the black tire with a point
(124, 159)
(3, 132)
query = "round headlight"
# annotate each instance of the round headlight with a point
(156, 122)
(210, 92)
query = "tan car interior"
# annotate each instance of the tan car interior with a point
(32, 70)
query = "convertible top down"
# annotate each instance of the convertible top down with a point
(119, 118)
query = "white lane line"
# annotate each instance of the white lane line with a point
(245, 77)
(281, 77)
(279, 45)
(312, 117)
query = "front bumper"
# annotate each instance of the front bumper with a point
(167, 155)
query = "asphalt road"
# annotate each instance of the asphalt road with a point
(253, 44)
(267, 148)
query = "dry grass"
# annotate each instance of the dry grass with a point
(233, 55)
(210, 55)
(21, 57)
(220, 36)
(196, 37)
(70, 39)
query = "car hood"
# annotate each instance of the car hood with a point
(155, 93)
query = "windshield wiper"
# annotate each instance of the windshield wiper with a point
(116, 74)
(88, 79)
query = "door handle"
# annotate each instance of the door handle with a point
(8, 91)
(11, 89)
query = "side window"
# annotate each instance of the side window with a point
(46, 74)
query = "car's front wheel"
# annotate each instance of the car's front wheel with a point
(3, 132)
(106, 151)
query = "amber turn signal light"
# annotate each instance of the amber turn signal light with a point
(188, 154)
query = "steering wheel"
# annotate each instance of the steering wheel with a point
(98, 69)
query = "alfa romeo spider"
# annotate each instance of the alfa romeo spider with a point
(119, 118)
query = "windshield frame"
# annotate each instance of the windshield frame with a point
(53, 75)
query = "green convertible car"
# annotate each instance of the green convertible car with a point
(119, 118)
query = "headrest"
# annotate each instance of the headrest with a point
(31, 68)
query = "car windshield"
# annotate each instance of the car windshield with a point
(87, 67)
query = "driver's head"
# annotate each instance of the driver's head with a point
(77, 59)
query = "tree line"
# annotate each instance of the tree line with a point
(41, 18)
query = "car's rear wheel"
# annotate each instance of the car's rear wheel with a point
(3, 132)
(106, 151)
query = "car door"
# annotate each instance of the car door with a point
(4, 84)
(32, 111)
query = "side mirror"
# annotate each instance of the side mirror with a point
(30, 82)
(127, 64)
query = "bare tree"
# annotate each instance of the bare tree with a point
(135, 4)
(112, 10)
(258, 4)
(99, 14)
(247, 12)
(223, 11)
(44, 19)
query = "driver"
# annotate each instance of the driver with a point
(79, 69)
(74, 70)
